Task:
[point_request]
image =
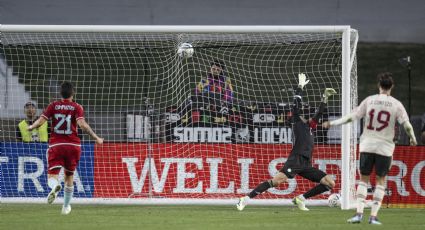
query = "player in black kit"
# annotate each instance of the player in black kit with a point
(299, 160)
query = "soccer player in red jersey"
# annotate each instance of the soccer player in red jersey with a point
(64, 144)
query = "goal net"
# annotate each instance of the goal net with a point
(203, 128)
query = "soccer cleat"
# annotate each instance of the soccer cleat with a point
(300, 203)
(374, 220)
(356, 219)
(66, 210)
(243, 201)
(53, 194)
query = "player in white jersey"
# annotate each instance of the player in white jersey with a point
(381, 112)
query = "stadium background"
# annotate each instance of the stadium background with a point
(389, 30)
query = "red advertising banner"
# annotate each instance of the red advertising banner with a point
(175, 170)
(406, 180)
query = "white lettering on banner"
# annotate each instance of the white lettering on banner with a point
(245, 163)
(322, 164)
(138, 182)
(273, 135)
(33, 176)
(263, 118)
(292, 183)
(182, 175)
(398, 179)
(182, 186)
(203, 134)
(213, 165)
(416, 178)
(4, 159)
(77, 180)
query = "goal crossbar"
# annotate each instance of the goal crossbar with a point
(172, 29)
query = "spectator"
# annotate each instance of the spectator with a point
(216, 85)
(423, 135)
(36, 135)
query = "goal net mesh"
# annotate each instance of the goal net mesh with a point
(173, 129)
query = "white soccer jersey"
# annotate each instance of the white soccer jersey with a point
(380, 112)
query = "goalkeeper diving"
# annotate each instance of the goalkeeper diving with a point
(300, 159)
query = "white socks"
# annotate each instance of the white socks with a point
(378, 196)
(67, 195)
(361, 196)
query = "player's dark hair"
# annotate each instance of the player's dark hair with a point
(219, 64)
(385, 80)
(67, 90)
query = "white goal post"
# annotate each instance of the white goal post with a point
(168, 140)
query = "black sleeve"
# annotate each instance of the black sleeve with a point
(319, 111)
(296, 110)
(423, 128)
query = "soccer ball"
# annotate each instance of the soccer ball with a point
(334, 200)
(185, 50)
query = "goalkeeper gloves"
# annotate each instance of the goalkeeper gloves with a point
(302, 80)
(327, 93)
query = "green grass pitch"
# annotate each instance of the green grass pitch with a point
(43, 216)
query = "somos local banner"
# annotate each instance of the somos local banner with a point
(192, 170)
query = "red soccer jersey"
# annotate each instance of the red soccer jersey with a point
(64, 115)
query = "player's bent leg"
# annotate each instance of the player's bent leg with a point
(53, 184)
(53, 194)
(278, 179)
(328, 181)
(361, 194)
(264, 186)
(378, 196)
(315, 175)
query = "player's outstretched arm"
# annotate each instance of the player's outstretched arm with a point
(409, 130)
(39, 122)
(343, 120)
(86, 128)
(298, 94)
(319, 111)
(356, 114)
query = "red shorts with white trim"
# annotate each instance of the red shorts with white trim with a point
(63, 155)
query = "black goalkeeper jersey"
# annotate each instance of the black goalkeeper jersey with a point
(304, 140)
(303, 134)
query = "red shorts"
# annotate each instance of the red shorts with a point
(66, 156)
